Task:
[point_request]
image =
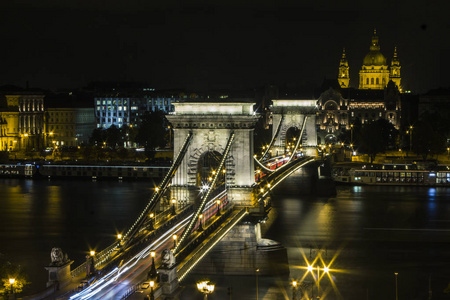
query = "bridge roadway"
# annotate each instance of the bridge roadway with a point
(133, 270)
(124, 279)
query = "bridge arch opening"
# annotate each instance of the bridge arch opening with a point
(291, 137)
(208, 163)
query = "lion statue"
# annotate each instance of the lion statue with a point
(168, 260)
(57, 256)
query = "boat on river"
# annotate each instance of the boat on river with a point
(390, 174)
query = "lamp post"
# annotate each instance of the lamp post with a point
(151, 216)
(396, 286)
(410, 137)
(294, 290)
(11, 282)
(174, 240)
(205, 287)
(152, 296)
(174, 201)
(153, 267)
(170, 135)
(257, 289)
(311, 269)
(351, 134)
(200, 226)
(218, 207)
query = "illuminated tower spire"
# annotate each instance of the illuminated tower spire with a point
(394, 73)
(374, 46)
(343, 77)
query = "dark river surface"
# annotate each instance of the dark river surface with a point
(364, 234)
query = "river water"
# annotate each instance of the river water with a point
(364, 234)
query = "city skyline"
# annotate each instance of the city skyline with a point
(222, 45)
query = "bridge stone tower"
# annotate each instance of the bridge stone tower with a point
(212, 124)
(293, 113)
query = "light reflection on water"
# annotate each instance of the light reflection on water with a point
(36, 216)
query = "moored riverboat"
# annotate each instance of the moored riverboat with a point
(17, 170)
(391, 175)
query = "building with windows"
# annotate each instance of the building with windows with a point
(375, 73)
(85, 123)
(60, 127)
(22, 122)
(340, 108)
(120, 111)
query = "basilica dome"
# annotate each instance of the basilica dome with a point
(374, 58)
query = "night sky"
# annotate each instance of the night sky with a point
(217, 44)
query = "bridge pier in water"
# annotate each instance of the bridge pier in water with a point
(242, 251)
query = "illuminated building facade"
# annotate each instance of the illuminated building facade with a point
(375, 72)
(22, 120)
(120, 111)
(340, 108)
(60, 127)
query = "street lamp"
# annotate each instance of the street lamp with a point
(200, 226)
(173, 206)
(119, 236)
(205, 287)
(294, 290)
(11, 282)
(174, 241)
(218, 207)
(351, 134)
(396, 286)
(410, 137)
(257, 272)
(311, 269)
(150, 227)
(152, 296)
(153, 267)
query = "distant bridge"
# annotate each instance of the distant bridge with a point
(215, 182)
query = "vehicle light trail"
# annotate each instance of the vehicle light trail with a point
(114, 275)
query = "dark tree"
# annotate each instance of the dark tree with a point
(113, 137)
(98, 136)
(376, 137)
(151, 132)
(426, 140)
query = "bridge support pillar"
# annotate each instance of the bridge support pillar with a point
(241, 196)
(184, 195)
(242, 251)
(59, 275)
(169, 281)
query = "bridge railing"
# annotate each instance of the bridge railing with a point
(99, 259)
(130, 291)
(206, 247)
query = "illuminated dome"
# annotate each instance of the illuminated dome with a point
(374, 58)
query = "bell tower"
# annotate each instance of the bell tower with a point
(395, 71)
(343, 77)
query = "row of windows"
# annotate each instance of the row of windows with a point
(377, 81)
(401, 174)
(62, 127)
(62, 114)
(62, 120)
